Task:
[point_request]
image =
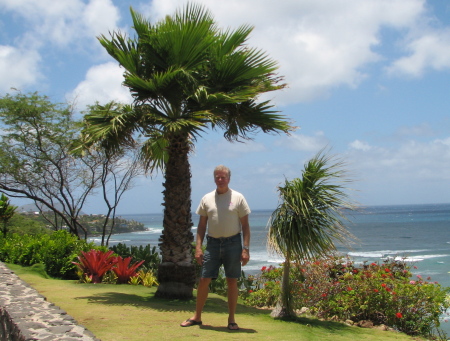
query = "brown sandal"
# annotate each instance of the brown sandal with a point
(232, 326)
(191, 323)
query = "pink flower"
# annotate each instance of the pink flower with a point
(412, 282)
(419, 277)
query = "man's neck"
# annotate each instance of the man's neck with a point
(222, 190)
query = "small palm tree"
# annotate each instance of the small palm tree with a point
(308, 220)
(6, 213)
(186, 76)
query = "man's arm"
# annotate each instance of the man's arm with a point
(201, 231)
(245, 257)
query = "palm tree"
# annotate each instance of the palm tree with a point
(6, 213)
(185, 75)
(308, 220)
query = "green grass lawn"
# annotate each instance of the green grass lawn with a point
(126, 312)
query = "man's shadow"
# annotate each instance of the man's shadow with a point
(223, 329)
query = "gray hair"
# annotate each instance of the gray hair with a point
(222, 168)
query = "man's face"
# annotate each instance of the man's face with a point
(221, 179)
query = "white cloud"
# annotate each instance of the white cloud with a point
(412, 161)
(320, 44)
(63, 23)
(103, 83)
(427, 51)
(100, 16)
(18, 68)
(423, 129)
(360, 145)
(300, 142)
(224, 149)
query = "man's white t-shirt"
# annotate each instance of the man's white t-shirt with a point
(224, 212)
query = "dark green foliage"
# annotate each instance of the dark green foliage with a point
(6, 213)
(139, 253)
(24, 224)
(56, 251)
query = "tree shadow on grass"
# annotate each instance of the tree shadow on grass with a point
(214, 304)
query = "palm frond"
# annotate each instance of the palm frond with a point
(309, 219)
(110, 125)
(239, 120)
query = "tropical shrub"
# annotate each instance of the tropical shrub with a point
(266, 287)
(59, 251)
(336, 288)
(56, 251)
(123, 270)
(149, 255)
(94, 264)
(145, 278)
(219, 285)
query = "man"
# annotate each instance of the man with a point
(224, 213)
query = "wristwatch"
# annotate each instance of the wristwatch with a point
(245, 248)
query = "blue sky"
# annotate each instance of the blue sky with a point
(368, 78)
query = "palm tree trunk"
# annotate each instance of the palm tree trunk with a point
(176, 273)
(284, 308)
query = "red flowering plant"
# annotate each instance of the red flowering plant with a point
(94, 264)
(383, 293)
(124, 271)
(265, 288)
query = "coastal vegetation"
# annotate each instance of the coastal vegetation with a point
(101, 308)
(376, 294)
(37, 162)
(186, 76)
(308, 221)
(34, 222)
(331, 289)
(7, 211)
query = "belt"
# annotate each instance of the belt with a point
(222, 238)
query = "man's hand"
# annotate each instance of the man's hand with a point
(199, 256)
(245, 256)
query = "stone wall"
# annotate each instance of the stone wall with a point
(26, 315)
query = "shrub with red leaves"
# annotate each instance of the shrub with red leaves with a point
(124, 271)
(95, 263)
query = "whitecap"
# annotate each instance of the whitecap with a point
(418, 258)
(119, 240)
(373, 254)
(155, 230)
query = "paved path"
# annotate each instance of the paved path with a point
(26, 315)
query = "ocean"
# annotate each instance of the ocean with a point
(418, 233)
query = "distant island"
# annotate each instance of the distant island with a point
(93, 223)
